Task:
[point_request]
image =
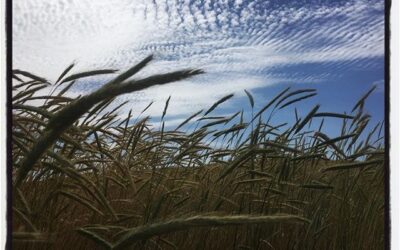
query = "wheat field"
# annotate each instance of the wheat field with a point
(85, 178)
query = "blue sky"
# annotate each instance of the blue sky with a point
(336, 47)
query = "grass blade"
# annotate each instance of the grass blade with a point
(215, 105)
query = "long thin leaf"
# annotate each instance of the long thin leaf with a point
(220, 101)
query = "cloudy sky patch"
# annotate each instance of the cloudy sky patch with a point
(241, 44)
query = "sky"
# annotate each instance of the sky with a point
(336, 47)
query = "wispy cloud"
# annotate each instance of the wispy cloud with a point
(239, 43)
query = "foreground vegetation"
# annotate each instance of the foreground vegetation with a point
(83, 178)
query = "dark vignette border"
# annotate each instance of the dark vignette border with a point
(8, 23)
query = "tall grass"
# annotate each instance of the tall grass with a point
(86, 179)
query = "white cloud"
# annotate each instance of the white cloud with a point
(233, 43)
(188, 96)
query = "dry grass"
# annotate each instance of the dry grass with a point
(85, 179)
